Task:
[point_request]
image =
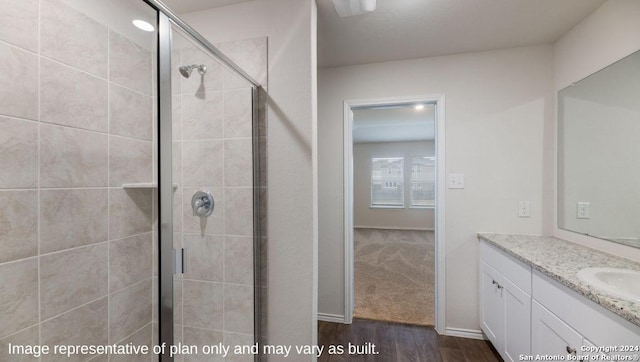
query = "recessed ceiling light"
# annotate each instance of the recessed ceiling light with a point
(419, 107)
(143, 25)
(346, 8)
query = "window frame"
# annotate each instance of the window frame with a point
(372, 205)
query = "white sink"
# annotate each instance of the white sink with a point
(622, 283)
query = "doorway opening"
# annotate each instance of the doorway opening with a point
(394, 210)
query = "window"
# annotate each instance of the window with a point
(387, 182)
(423, 174)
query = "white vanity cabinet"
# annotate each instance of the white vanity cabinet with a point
(527, 314)
(505, 302)
(563, 321)
(550, 335)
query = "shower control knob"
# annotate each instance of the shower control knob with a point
(202, 203)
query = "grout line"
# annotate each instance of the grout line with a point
(103, 133)
(73, 309)
(38, 172)
(109, 190)
(16, 118)
(132, 334)
(106, 79)
(37, 324)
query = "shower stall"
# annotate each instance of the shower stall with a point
(132, 187)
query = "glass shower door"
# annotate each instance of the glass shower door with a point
(213, 204)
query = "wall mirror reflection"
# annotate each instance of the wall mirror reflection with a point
(598, 153)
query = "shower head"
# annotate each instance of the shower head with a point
(186, 70)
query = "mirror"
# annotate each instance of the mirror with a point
(599, 154)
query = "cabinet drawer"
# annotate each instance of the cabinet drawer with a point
(595, 323)
(518, 272)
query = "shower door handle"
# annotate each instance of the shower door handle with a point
(202, 203)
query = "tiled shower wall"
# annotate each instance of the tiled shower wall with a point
(75, 124)
(213, 151)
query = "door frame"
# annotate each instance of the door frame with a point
(440, 297)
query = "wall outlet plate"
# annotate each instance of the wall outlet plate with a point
(583, 210)
(524, 209)
(456, 181)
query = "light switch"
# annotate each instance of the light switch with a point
(456, 180)
(583, 210)
(524, 209)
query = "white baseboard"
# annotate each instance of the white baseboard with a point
(464, 333)
(325, 317)
(391, 228)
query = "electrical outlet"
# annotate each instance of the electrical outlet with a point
(456, 180)
(583, 210)
(524, 209)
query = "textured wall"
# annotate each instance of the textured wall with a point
(498, 107)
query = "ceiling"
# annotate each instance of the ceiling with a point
(187, 6)
(394, 124)
(406, 29)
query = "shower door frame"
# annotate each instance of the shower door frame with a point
(166, 252)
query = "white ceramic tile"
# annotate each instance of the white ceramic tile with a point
(71, 278)
(238, 162)
(29, 336)
(129, 212)
(18, 153)
(202, 117)
(129, 261)
(72, 218)
(204, 256)
(131, 113)
(19, 21)
(238, 211)
(129, 310)
(18, 225)
(238, 260)
(200, 338)
(72, 98)
(18, 295)
(129, 64)
(73, 38)
(72, 158)
(129, 161)
(238, 113)
(19, 82)
(242, 341)
(202, 163)
(86, 325)
(202, 304)
(139, 338)
(251, 56)
(238, 308)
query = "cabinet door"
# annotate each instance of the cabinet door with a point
(517, 321)
(550, 335)
(491, 305)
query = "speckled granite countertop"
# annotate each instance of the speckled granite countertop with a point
(561, 260)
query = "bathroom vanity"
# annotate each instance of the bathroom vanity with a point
(533, 304)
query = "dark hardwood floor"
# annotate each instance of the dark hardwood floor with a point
(399, 342)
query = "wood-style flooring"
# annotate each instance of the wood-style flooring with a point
(399, 342)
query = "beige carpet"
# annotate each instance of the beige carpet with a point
(394, 276)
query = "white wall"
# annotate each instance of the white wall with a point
(499, 112)
(607, 35)
(405, 218)
(290, 26)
